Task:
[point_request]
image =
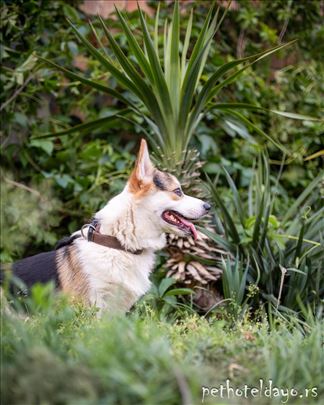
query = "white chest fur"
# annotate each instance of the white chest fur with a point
(116, 279)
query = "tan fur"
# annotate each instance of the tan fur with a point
(73, 280)
(138, 188)
(174, 197)
(137, 185)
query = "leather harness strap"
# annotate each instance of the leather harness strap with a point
(112, 242)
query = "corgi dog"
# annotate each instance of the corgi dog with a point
(108, 262)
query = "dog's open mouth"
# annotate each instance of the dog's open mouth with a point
(178, 220)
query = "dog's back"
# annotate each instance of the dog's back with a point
(40, 268)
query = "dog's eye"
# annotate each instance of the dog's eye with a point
(178, 192)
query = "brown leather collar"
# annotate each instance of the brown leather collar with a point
(93, 235)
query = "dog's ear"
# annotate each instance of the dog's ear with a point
(144, 166)
(143, 171)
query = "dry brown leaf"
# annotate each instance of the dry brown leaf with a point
(193, 271)
(202, 271)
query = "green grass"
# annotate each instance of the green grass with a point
(63, 354)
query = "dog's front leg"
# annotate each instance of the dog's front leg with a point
(115, 299)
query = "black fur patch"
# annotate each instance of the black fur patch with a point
(66, 241)
(39, 268)
(158, 182)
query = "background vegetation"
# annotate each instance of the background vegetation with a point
(52, 185)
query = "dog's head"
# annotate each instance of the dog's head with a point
(159, 194)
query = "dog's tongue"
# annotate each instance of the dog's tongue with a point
(191, 226)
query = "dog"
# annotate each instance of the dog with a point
(107, 263)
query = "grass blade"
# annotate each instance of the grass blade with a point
(147, 95)
(129, 69)
(174, 69)
(191, 75)
(256, 57)
(159, 80)
(258, 130)
(257, 224)
(86, 126)
(156, 29)
(135, 48)
(186, 46)
(300, 241)
(210, 89)
(304, 195)
(236, 196)
(123, 79)
(228, 223)
(200, 43)
(187, 91)
(218, 239)
(88, 82)
(247, 106)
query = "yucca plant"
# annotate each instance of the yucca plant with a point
(283, 254)
(167, 81)
(165, 85)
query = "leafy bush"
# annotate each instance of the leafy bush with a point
(37, 101)
(279, 252)
(163, 352)
(76, 175)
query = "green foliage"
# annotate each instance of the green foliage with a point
(234, 281)
(62, 352)
(164, 299)
(37, 101)
(75, 176)
(282, 253)
(168, 87)
(51, 185)
(26, 211)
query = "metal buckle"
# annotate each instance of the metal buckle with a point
(91, 229)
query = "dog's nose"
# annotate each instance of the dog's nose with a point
(207, 206)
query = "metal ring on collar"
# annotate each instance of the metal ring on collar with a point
(90, 226)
